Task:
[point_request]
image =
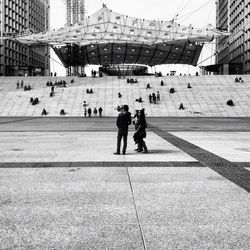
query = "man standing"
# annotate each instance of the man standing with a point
(122, 122)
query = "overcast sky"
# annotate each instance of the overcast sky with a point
(199, 13)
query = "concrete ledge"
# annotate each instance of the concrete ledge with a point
(99, 164)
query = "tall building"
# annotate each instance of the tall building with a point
(233, 52)
(75, 13)
(19, 16)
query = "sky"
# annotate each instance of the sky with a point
(199, 13)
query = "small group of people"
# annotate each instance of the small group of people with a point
(154, 98)
(61, 84)
(93, 73)
(123, 121)
(51, 74)
(49, 84)
(19, 84)
(240, 80)
(95, 111)
(89, 91)
(83, 75)
(139, 100)
(27, 88)
(34, 101)
(132, 80)
(158, 74)
(172, 90)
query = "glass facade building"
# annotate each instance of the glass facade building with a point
(234, 51)
(18, 16)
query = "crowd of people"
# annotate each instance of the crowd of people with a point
(89, 112)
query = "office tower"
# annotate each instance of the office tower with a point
(16, 18)
(75, 13)
(233, 52)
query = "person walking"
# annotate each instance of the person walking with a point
(85, 112)
(140, 133)
(122, 123)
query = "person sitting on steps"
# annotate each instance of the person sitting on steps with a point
(44, 112)
(181, 107)
(62, 112)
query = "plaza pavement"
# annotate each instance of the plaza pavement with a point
(61, 187)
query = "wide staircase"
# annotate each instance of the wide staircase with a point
(208, 96)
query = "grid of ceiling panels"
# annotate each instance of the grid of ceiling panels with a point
(129, 53)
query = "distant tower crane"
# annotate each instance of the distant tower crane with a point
(75, 10)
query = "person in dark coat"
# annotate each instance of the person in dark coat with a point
(150, 98)
(122, 123)
(135, 122)
(140, 133)
(154, 98)
(100, 111)
(89, 112)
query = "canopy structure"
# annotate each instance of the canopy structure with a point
(107, 37)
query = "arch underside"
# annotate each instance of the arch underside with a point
(129, 53)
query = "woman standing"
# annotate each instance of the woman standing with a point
(140, 133)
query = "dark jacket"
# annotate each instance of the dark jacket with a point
(123, 121)
(140, 133)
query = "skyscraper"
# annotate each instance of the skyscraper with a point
(75, 13)
(17, 16)
(233, 52)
